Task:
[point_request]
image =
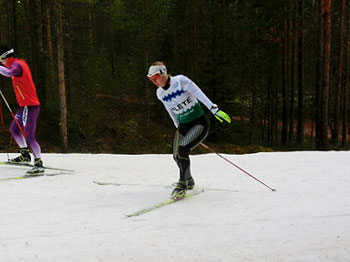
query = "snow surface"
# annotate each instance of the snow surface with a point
(70, 218)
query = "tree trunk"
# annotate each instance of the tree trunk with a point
(14, 23)
(32, 35)
(145, 59)
(269, 107)
(319, 76)
(345, 86)
(90, 17)
(61, 76)
(193, 39)
(51, 79)
(113, 40)
(323, 139)
(68, 55)
(300, 123)
(285, 69)
(252, 119)
(275, 105)
(48, 29)
(340, 74)
(41, 77)
(292, 52)
(28, 34)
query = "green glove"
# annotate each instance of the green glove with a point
(220, 115)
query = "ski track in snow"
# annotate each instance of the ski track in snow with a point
(71, 218)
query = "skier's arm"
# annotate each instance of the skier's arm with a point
(14, 70)
(191, 87)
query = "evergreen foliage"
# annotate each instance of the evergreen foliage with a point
(242, 54)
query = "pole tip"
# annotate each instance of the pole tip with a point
(274, 189)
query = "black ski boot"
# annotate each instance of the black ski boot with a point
(190, 183)
(24, 158)
(38, 168)
(179, 190)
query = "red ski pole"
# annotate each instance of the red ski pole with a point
(13, 116)
(208, 148)
(3, 127)
(2, 118)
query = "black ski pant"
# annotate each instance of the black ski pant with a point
(187, 137)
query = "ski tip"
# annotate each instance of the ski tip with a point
(106, 183)
(59, 169)
(100, 183)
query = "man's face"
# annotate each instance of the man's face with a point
(159, 80)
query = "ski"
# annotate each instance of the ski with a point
(32, 176)
(31, 165)
(102, 183)
(169, 201)
(126, 184)
(211, 188)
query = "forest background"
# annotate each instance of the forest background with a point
(280, 69)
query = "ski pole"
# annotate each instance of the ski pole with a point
(3, 127)
(2, 118)
(13, 116)
(208, 148)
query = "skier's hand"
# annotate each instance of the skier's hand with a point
(219, 114)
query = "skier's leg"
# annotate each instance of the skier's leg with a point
(33, 113)
(187, 138)
(16, 132)
(193, 137)
(181, 187)
(30, 129)
(19, 138)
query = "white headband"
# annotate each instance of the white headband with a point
(157, 69)
(4, 55)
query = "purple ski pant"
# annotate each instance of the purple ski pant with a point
(27, 117)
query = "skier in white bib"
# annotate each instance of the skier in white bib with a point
(181, 96)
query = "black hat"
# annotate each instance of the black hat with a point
(6, 52)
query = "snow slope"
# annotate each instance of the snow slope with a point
(70, 218)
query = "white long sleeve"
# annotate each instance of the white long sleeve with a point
(191, 87)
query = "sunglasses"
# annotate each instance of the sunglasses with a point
(155, 78)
